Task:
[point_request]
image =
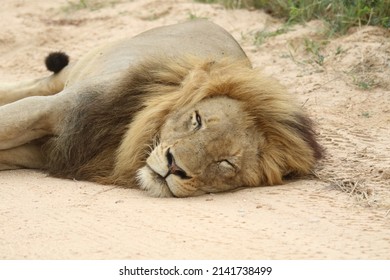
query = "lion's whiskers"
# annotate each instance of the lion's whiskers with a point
(151, 146)
(156, 141)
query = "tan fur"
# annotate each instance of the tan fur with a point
(180, 120)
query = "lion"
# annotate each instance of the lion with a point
(176, 111)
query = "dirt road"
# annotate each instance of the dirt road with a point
(341, 213)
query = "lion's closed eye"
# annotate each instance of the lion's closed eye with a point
(225, 164)
(227, 168)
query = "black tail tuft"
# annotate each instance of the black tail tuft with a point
(56, 61)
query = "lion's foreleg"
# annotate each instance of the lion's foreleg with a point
(40, 87)
(27, 119)
(25, 156)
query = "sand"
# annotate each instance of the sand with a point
(341, 212)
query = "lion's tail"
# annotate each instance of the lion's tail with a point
(56, 61)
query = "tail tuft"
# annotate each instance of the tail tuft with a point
(56, 61)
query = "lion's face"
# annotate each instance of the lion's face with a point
(208, 147)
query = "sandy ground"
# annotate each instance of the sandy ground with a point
(341, 213)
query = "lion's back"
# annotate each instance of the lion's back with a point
(199, 38)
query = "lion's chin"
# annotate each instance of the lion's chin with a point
(153, 183)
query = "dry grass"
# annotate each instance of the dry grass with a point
(356, 189)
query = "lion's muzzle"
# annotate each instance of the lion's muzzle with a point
(174, 169)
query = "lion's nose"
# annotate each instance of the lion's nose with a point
(173, 168)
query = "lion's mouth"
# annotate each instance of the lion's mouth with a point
(156, 176)
(153, 182)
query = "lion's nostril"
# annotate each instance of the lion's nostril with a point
(169, 158)
(173, 168)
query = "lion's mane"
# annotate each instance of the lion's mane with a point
(107, 137)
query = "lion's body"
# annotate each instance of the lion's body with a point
(128, 99)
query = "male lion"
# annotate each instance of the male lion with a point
(177, 110)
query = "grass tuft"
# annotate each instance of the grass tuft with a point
(314, 47)
(339, 15)
(356, 189)
(92, 5)
(262, 35)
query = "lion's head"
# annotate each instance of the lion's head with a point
(205, 147)
(213, 126)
